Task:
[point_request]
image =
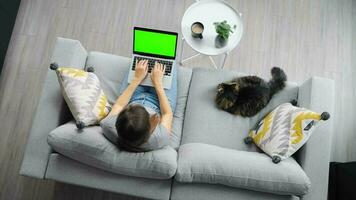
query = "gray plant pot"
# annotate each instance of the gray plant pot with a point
(220, 42)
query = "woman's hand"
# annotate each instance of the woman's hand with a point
(141, 70)
(157, 74)
(166, 111)
(140, 73)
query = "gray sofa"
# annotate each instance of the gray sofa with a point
(210, 162)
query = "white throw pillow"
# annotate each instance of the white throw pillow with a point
(284, 130)
(83, 95)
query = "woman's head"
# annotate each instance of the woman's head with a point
(133, 126)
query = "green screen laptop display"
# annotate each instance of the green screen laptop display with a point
(155, 43)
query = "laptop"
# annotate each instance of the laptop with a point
(154, 45)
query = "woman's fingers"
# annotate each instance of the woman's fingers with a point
(145, 67)
(159, 66)
(142, 63)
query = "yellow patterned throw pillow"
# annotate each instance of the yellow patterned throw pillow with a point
(284, 130)
(83, 95)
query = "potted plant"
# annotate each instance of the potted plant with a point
(223, 29)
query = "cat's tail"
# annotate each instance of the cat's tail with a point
(278, 80)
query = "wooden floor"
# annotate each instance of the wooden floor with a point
(304, 37)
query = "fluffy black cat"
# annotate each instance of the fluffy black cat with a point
(247, 95)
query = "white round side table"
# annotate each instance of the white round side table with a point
(207, 12)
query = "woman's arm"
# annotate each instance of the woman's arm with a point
(140, 73)
(166, 111)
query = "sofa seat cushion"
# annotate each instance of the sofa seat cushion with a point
(204, 163)
(112, 69)
(90, 147)
(205, 123)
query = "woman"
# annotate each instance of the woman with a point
(143, 115)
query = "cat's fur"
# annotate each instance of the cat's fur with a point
(247, 95)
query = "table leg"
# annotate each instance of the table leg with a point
(191, 57)
(196, 55)
(223, 63)
(181, 51)
(211, 59)
(181, 54)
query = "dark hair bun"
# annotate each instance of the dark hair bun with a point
(133, 127)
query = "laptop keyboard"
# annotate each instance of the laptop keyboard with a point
(151, 64)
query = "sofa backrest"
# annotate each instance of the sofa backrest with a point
(111, 70)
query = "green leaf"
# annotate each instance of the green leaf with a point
(223, 29)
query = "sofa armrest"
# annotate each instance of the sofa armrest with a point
(318, 95)
(51, 110)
